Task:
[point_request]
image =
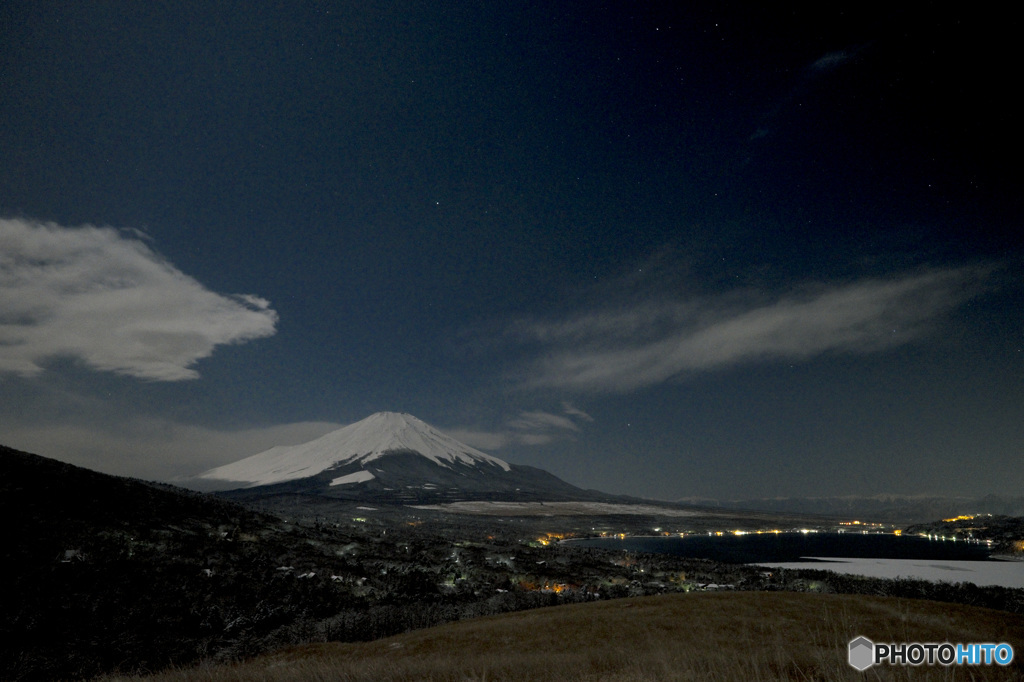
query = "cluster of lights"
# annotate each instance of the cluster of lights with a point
(954, 539)
(739, 532)
(551, 537)
(775, 531)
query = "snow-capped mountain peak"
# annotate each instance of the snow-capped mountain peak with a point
(362, 442)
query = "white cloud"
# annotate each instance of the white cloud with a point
(104, 297)
(625, 348)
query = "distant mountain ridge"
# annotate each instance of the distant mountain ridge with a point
(386, 457)
(887, 508)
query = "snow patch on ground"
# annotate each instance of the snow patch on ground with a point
(981, 573)
(357, 477)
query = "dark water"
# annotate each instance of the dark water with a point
(771, 547)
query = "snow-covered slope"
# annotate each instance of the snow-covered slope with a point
(362, 442)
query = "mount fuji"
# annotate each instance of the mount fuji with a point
(387, 457)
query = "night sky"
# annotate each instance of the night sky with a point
(657, 250)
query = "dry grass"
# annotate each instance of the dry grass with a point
(709, 636)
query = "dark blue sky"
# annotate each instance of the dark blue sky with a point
(662, 251)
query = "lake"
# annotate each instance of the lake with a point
(756, 548)
(882, 556)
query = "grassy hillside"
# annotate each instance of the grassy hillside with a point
(708, 636)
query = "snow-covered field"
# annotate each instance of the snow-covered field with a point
(1003, 573)
(555, 509)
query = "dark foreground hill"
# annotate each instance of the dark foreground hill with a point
(106, 572)
(709, 636)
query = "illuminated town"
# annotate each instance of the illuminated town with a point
(963, 534)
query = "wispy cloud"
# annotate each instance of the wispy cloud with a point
(105, 297)
(541, 421)
(832, 60)
(621, 349)
(806, 78)
(528, 427)
(574, 411)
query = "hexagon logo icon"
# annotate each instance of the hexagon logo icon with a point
(862, 653)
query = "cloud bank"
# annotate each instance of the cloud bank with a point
(104, 297)
(620, 349)
(154, 448)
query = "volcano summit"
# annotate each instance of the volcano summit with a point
(388, 457)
